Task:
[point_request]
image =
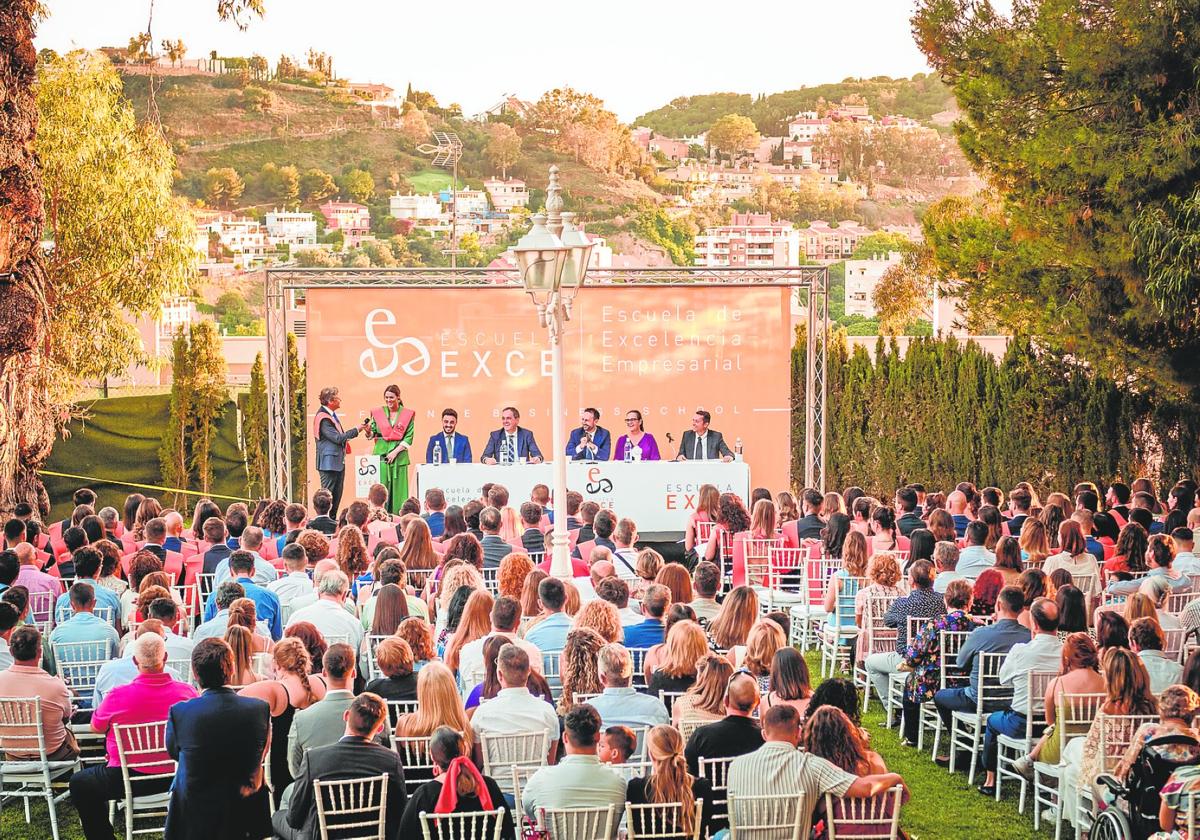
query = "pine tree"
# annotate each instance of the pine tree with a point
(254, 433)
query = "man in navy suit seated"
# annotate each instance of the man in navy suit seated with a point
(219, 740)
(509, 444)
(448, 443)
(590, 442)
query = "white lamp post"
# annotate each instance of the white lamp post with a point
(553, 269)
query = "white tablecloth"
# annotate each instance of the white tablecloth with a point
(658, 495)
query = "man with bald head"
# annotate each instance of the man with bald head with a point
(33, 578)
(145, 700)
(174, 539)
(956, 504)
(599, 567)
(735, 734)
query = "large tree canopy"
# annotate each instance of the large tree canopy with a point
(1082, 116)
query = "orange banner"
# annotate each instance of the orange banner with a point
(665, 351)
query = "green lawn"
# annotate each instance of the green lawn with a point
(429, 180)
(942, 805)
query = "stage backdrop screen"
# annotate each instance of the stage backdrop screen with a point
(665, 351)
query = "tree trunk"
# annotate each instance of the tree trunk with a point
(26, 418)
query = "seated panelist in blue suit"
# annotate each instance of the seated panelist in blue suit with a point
(589, 442)
(448, 445)
(508, 445)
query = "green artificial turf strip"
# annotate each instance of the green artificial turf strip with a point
(942, 805)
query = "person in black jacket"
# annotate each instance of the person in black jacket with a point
(355, 756)
(219, 740)
(452, 765)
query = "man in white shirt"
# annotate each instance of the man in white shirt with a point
(329, 613)
(506, 617)
(625, 555)
(579, 780)
(945, 560)
(616, 592)
(1043, 652)
(9, 619)
(706, 583)
(167, 612)
(311, 597)
(1147, 641)
(296, 582)
(975, 558)
(1186, 562)
(264, 572)
(514, 709)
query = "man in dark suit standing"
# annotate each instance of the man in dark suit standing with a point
(219, 740)
(448, 444)
(509, 444)
(333, 444)
(355, 756)
(701, 443)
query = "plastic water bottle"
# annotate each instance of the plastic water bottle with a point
(628, 450)
(737, 449)
(437, 453)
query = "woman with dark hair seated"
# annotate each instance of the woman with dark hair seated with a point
(457, 787)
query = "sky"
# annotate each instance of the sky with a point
(635, 56)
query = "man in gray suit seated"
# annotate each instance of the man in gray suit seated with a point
(701, 443)
(333, 444)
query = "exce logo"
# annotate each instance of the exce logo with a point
(369, 364)
(597, 483)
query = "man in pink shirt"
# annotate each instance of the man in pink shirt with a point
(25, 678)
(36, 581)
(145, 700)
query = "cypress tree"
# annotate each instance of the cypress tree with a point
(254, 432)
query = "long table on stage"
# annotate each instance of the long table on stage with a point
(658, 495)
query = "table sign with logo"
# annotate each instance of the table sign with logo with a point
(366, 473)
(658, 495)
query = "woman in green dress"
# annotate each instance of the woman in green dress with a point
(392, 430)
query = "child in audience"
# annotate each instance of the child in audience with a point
(617, 743)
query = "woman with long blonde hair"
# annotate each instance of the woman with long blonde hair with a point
(706, 511)
(1035, 545)
(239, 641)
(670, 781)
(578, 666)
(785, 502)
(764, 639)
(647, 567)
(602, 617)
(510, 526)
(685, 646)
(762, 520)
(738, 614)
(475, 623)
(243, 613)
(438, 704)
(705, 700)
(417, 549)
(854, 565)
(457, 575)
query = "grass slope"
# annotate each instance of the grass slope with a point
(942, 807)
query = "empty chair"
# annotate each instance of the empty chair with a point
(357, 806)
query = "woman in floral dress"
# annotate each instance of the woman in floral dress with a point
(923, 656)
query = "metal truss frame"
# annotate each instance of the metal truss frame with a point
(811, 282)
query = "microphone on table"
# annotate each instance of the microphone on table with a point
(671, 440)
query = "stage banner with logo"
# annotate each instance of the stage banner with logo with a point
(664, 351)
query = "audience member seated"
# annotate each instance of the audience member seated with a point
(975, 557)
(945, 561)
(218, 789)
(146, 699)
(1160, 555)
(706, 584)
(457, 787)
(296, 581)
(617, 745)
(704, 702)
(923, 601)
(777, 768)
(728, 631)
(321, 722)
(83, 626)
(1043, 652)
(789, 683)
(88, 563)
(1147, 641)
(395, 661)
(675, 670)
(735, 734)
(619, 703)
(550, 632)
(329, 614)
(291, 690)
(322, 503)
(994, 638)
(829, 734)
(616, 592)
(514, 709)
(266, 605)
(262, 572)
(26, 678)
(670, 781)
(494, 548)
(505, 619)
(355, 755)
(438, 704)
(579, 780)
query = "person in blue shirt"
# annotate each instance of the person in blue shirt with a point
(83, 626)
(620, 704)
(654, 606)
(998, 637)
(88, 561)
(956, 503)
(550, 633)
(589, 441)
(435, 512)
(266, 604)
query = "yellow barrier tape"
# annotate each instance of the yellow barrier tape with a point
(145, 486)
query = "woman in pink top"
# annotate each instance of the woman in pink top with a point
(706, 511)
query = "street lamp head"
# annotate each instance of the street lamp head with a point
(541, 257)
(575, 272)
